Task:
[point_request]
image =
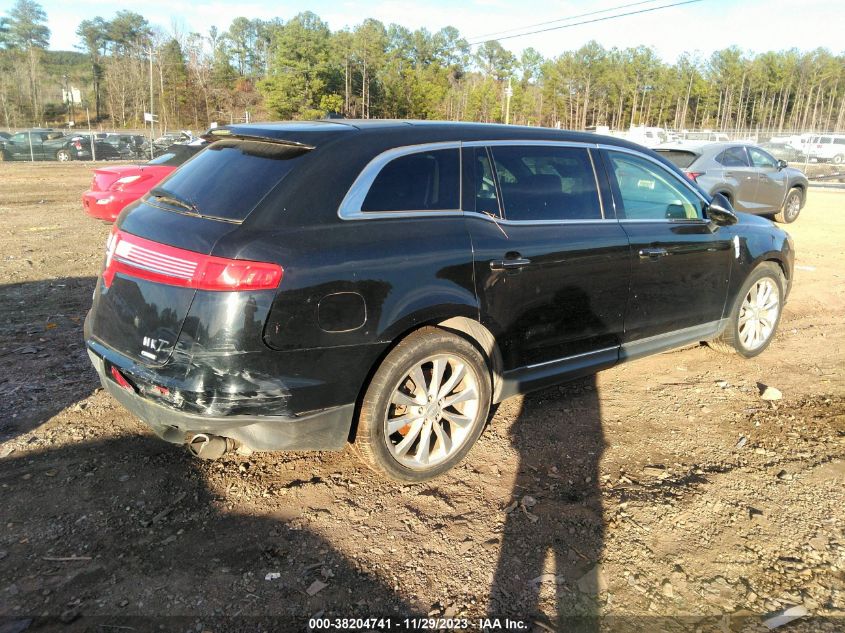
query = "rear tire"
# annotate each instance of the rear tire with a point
(838, 159)
(425, 407)
(755, 314)
(791, 206)
(63, 156)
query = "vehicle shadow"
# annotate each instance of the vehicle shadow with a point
(129, 532)
(43, 364)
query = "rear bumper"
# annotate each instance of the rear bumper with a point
(327, 429)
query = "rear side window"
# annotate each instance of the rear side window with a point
(547, 183)
(230, 178)
(733, 157)
(839, 141)
(680, 158)
(424, 181)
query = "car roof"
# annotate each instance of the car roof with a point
(343, 147)
(399, 132)
(702, 147)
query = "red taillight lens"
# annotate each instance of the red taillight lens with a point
(120, 380)
(145, 259)
(693, 175)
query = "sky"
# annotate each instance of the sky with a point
(702, 27)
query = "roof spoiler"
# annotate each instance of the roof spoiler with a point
(221, 133)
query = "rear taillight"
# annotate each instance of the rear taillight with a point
(120, 380)
(144, 259)
(693, 175)
(120, 183)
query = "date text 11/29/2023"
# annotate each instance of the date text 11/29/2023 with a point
(417, 624)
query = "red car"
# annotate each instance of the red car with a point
(115, 187)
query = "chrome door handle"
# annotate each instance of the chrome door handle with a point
(509, 264)
(653, 253)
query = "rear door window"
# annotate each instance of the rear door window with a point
(733, 157)
(546, 183)
(647, 191)
(422, 181)
(229, 179)
(479, 187)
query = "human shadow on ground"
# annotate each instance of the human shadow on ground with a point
(549, 561)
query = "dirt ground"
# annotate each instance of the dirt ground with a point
(664, 494)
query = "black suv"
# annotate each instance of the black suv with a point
(302, 285)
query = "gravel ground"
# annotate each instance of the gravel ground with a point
(664, 494)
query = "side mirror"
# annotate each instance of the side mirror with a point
(720, 212)
(782, 164)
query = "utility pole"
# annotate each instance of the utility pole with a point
(508, 95)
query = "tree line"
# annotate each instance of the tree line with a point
(301, 69)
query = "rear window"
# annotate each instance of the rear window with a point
(229, 179)
(681, 159)
(175, 155)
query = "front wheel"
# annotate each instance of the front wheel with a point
(755, 315)
(791, 206)
(838, 159)
(425, 407)
(63, 156)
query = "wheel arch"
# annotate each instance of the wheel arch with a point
(461, 325)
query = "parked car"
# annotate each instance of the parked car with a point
(782, 151)
(705, 136)
(828, 147)
(298, 285)
(748, 176)
(128, 146)
(5, 136)
(113, 188)
(43, 144)
(170, 138)
(103, 150)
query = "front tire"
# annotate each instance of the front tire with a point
(756, 313)
(791, 206)
(838, 159)
(425, 407)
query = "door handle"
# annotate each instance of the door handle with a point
(653, 253)
(509, 264)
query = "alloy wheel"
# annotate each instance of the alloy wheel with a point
(758, 314)
(432, 411)
(793, 206)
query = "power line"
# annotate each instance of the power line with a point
(604, 19)
(566, 19)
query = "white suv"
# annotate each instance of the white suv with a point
(828, 147)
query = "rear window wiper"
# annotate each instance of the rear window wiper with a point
(172, 199)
